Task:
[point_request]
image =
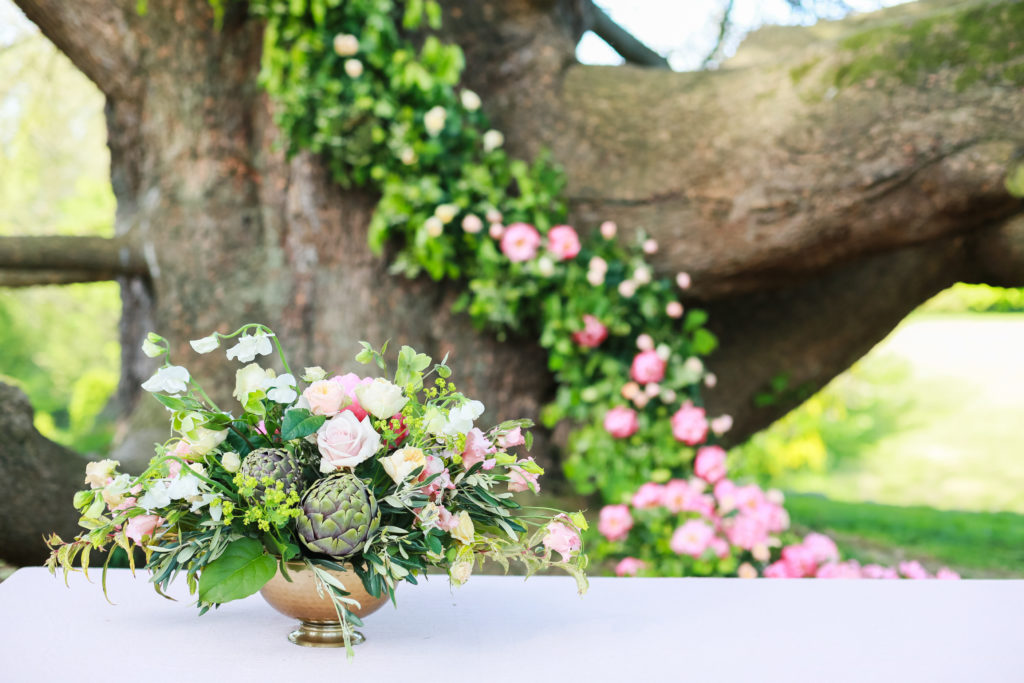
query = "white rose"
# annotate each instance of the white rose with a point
(434, 120)
(408, 156)
(251, 345)
(230, 461)
(545, 266)
(472, 224)
(627, 288)
(346, 44)
(250, 379)
(403, 462)
(381, 398)
(345, 441)
(460, 572)
(354, 68)
(493, 139)
(434, 226)
(447, 212)
(470, 100)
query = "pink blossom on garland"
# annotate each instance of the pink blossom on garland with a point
(690, 424)
(520, 242)
(563, 242)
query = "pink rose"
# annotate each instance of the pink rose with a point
(877, 571)
(520, 480)
(822, 548)
(800, 560)
(346, 441)
(720, 547)
(692, 538)
(477, 447)
(629, 566)
(725, 493)
(749, 498)
(746, 532)
(349, 402)
(512, 438)
(648, 496)
(325, 397)
(839, 570)
(592, 334)
(913, 570)
(562, 539)
(947, 574)
(142, 526)
(710, 464)
(563, 242)
(689, 424)
(621, 422)
(647, 367)
(615, 522)
(779, 570)
(520, 242)
(676, 495)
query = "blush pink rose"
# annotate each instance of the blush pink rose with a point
(563, 242)
(800, 560)
(141, 526)
(592, 334)
(690, 424)
(520, 242)
(710, 464)
(913, 570)
(648, 496)
(947, 574)
(720, 547)
(692, 538)
(647, 367)
(676, 495)
(725, 494)
(349, 402)
(615, 522)
(629, 566)
(477, 447)
(346, 441)
(325, 397)
(512, 438)
(562, 539)
(519, 480)
(877, 571)
(839, 570)
(745, 531)
(779, 570)
(621, 422)
(822, 548)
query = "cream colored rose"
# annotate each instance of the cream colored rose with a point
(381, 398)
(249, 379)
(434, 120)
(403, 462)
(460, 572)
(97, 473)
(464, 530)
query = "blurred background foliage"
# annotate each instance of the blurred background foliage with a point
(59, 344)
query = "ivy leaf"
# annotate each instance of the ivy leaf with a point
(299, 422)
(240, 571)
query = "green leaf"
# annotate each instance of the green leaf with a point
(299, 423)
(240, 571)
(410, 367)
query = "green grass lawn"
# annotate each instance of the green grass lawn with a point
(976, 544)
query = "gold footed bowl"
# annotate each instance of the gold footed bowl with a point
(318, 621)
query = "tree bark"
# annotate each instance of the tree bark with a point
(816, 190)
(40, 477)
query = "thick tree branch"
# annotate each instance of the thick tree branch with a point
(62, 260)
(622, 41)
(94, 34)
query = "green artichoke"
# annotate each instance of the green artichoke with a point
(337, 515)
(278, 464)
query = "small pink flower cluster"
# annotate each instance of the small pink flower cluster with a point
(521, 241)
(718, 518)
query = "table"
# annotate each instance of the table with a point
(504, 629)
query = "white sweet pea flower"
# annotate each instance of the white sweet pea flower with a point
(434, 120)
(493, 139)
(205, 440)
(155, 497)
(251, 345)
(381, 398)
(434, 420)
(470, 100)
(460, 419)
(280, 389)
(151, 350)
(97, 473)
(184, 486)
(206, 344)
(250, 379)
(170, 380)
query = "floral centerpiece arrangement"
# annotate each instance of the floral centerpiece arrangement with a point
(387, 478)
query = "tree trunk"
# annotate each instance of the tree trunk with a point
(817, 190)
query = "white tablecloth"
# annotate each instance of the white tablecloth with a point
(504, 629)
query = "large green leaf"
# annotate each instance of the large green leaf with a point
(299, 423)
(240, 571)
